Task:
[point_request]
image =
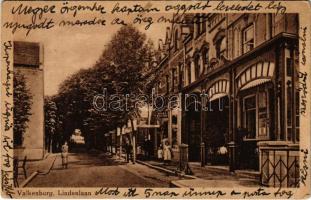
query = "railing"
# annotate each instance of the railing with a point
(279, 167)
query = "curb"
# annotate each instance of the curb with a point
(34, 174)
(174, 184)
(176, 173)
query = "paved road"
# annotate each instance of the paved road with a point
(99, 170)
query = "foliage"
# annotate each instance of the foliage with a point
(121, 69)
(22, 106)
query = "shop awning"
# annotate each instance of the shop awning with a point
(218, 96)
(254, 75)
(255, 83)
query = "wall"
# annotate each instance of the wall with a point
(27, 62)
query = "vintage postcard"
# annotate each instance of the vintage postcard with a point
(155, 99)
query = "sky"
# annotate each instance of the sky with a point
(66, 50)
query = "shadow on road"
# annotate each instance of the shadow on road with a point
(92, 159)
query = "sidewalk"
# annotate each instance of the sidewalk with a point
(208, 176)
(33, 168)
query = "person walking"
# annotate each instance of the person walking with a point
(167, 153)
(128, 149)
(64, 155)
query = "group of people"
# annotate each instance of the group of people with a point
(165, 152)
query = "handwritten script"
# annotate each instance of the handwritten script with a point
(7, 119)
(194, 193)
(75, 14)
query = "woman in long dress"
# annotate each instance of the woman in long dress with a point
(65, 155)
(167, 154)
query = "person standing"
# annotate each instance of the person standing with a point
(160, 153)
(167, 153)
(64, 155)
(128, 149)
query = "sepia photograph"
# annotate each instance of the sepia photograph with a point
(107, 99)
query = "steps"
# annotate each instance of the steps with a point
(248, 174)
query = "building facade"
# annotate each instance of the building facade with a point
(28, 61)
(236, 76)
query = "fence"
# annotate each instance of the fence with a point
(279, 166)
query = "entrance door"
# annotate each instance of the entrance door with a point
(216, 135)
(249, 154)
(194, 134)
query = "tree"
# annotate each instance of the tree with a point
(120, 70)
(127, 58)
(50, 121)
(22, 106)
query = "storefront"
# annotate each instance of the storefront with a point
(216, 120)
(192, 125)
(255, 110)
(264, 110)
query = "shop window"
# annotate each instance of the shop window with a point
(248, 39)
(250, 116)
(262, 114)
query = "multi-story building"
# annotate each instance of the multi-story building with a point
(237, 76)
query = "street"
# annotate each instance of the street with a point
(100, 170)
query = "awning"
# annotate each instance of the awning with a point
(218, 96)
(255, 83)
(254, 75)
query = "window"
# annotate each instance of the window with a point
(203, 22)
(197, 23)
(205, 57)
(248, 39)
(197, 66)
(180, 75)
(176, 40)
(262, 114)
(220, 47)
(173, 78)
(250, 116)
(189, 73)
(268, 26)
